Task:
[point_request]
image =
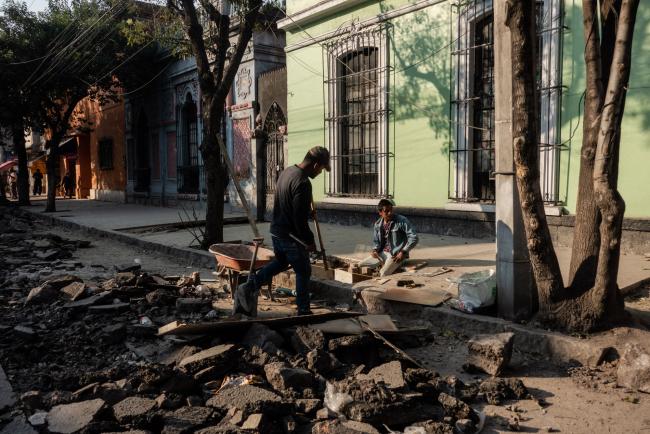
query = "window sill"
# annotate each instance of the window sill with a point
(351, 200)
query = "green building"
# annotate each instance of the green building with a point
(402, 93)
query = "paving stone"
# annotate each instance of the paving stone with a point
(633, 369)
(70, 418)
(390, 373)
(283, 377)
(220, 355)
(132, 408)
(489, 353)
(249, 399)
(74, 290)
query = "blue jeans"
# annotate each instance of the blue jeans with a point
(288, 252)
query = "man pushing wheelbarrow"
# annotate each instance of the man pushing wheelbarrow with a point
(293, 240)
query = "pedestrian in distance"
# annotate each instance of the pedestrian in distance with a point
(38, 182)
(68, 184)
(292, 238)
(393, 237)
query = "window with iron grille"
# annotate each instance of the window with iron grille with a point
(187, 178)
(357, 113)
(471, 175)
(105, 154)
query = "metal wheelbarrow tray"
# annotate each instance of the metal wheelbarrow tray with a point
(237, 257)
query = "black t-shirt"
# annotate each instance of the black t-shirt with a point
(292, 206)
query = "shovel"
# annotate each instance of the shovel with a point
(246, 297)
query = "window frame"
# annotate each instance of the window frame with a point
(375, 37)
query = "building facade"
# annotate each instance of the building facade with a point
(402, 93)
(163, 129)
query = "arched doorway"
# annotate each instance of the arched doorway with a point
(142, 165)
(188, 158)
(275, 127)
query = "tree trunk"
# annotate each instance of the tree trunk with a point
(50, 165)
(586, 237)
(606, 298)
(546, 269)
(23, 174)
(214, 174)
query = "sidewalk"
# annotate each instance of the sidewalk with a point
(461, 254)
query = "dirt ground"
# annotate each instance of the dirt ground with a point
(567, 399)
(574, 400)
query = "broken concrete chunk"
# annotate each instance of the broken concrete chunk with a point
(132, 408)
(100, 298)
(489, 353)
(343, 427)
(633, 369)
(7, 398)
(18, 425)
(193, 305)
(255, 422)
(390, 373)
(70, 418)
(263, 337)
(283, 377)
(307, 406)
(321, 361)
(73, 291)
(42, 294)
(249, 399)
(220, 355)
(38, 419)
(186, 419)
(456, 408)
(306, 339)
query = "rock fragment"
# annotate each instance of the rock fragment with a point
(283, 377)
(249, 399)
(633, 369)
(306, 339)
(489, 353)
(220, 355)
(70, 418)
(132, 408)
(390, 373)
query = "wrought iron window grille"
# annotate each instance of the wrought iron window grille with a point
(471, 157)
(357, 112)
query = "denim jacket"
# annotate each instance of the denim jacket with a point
(402, 235)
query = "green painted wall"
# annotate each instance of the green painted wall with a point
(420, 95)
(634, 166)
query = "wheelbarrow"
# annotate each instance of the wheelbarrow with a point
(239, 257)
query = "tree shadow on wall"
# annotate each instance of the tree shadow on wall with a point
(421, 46)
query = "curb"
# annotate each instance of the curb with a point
(195, 258)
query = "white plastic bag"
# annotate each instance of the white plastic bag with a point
(477, 289)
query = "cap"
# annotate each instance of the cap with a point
(322, 156)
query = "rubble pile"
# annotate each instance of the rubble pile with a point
(86, 357)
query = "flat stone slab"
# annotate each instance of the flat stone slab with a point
(202, 359)
(389, 373)
(249, 399)
(70, 418)
(132, 407)
(87, 302)
(7, 397)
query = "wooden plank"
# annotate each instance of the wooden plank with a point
(206, 328)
